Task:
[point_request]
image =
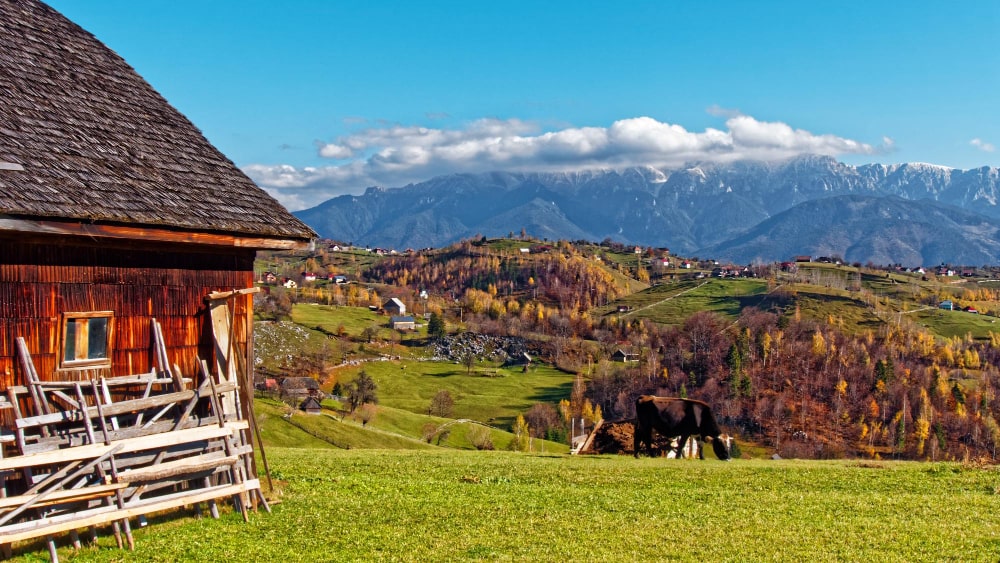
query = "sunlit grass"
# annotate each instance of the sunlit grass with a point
(444, 505)
(486, 393)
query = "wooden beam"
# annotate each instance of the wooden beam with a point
(103, 515)
(66, 495)
(228, 294)
(137, 232)
(182, 466)
(130, 445)
(122, 407)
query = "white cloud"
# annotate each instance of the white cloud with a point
(982, 145)
(394, 155)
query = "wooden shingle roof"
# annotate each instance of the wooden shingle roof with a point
(84, 139)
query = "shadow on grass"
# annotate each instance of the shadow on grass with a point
(553, 394)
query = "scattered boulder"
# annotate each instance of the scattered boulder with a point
(482, 346)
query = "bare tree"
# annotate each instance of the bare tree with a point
(441, 405)
(468, 360)
(367, 413)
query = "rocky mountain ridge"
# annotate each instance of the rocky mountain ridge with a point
(695, 209)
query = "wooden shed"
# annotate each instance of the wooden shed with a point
(127, 244)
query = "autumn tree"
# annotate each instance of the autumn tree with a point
(545, 422)
(522, 435)
(361, 391)
(468, 360)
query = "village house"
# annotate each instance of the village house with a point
(128, 245)
(308, 276)
(405, 322)
(296, 388)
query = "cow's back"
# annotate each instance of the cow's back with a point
(665, 414)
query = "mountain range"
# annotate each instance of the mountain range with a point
(913, 214)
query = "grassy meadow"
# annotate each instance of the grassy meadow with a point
(391, 428)
(490, 394)
(446, 505)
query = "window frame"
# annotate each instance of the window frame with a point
(76, 364)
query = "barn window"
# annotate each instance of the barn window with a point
(85, 338)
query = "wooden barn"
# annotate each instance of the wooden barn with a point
(115, 211)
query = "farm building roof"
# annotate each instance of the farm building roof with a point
(84, 138)
(299, 383)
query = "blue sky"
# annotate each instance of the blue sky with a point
(315, 99)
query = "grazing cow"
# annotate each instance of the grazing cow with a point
(674, 417)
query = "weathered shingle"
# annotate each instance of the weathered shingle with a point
(98, 144)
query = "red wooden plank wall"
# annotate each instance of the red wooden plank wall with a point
(40, 280)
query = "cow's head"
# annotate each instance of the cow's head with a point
(720, 444)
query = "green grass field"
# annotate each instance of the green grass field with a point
(672, 303)
(445, 505)
(957, 323)
(492, 395)
(330, 318)
(391, 428)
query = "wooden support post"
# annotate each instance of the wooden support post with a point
(100, 467)
(234, 474)
(41, 404)
(119, 498)
(160, 349)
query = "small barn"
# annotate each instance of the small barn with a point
(311, 406)
(127, 244)
(394, 306)
(625, 356)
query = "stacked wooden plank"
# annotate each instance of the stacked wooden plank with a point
(99, 451)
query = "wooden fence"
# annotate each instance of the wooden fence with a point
(96, 452)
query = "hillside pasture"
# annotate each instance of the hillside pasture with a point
(672, 303)
(330, 318)
(850, 314)
(956, 323)
(441, 505)
(488, 394)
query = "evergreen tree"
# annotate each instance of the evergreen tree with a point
(435, 326)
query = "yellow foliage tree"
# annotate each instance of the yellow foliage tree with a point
(522, 436)
(921, 431)
(818, 344)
